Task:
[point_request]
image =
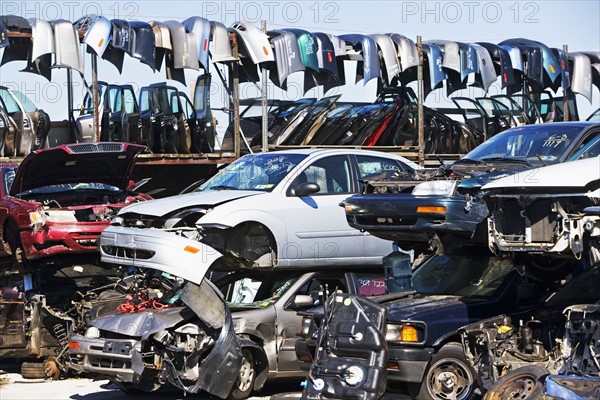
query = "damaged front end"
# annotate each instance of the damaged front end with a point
(175, 329)
(351, 357)
(496, 347)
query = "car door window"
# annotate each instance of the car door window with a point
(9, 102)
(332, 174)
(370, 167)
(144, 101)
(116, 99)
(129, 100)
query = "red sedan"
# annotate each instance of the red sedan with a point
(59, 200)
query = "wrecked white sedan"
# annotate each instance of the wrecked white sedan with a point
(552, 211)
(269, 209)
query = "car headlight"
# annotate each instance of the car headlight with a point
(38, 219)
(92, 332)
(408, 332)
(117, 221)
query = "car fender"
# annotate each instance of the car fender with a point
(221, 216)
(261, 360)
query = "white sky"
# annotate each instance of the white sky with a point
(555, 23)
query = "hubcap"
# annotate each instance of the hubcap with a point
(246, 377)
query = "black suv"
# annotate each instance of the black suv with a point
(424, 350)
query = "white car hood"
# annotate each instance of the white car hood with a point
(159, 207)
(570, 174)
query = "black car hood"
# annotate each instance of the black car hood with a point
(108, 163)
(415, 307)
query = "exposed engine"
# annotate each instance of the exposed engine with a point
(496, 347)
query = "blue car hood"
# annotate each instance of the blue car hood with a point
(417, 307)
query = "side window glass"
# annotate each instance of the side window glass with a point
(370, 167)
(332, 174)
(115, 99)
(144, 101)
(129, 100)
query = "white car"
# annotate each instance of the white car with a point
(550, 211)
(268, 209)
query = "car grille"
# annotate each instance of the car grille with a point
(128, 252)
(107, 362)
(82, 148)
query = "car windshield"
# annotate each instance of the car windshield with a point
(462, 275)
(258, 293)
(254, 172)
(532, 143)
(583, 289)
(65, 187)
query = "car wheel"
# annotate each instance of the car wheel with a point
(33, 370)
(449, 376)
(547, 269)
(522, 383)
(245, 382)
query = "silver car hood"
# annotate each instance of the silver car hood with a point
(160, 207)
(141, 324)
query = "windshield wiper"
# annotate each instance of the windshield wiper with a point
(223, 187)
(469, 161)
(507, 159)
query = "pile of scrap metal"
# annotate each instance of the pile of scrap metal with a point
(41, 307)
(516, 361)
(390, 59)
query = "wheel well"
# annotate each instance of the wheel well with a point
(261, 362)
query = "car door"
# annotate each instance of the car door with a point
(189, 116)
(133, 113)
(114, 113)
(147, 118)
(289, 323)
(183, 126)
(316, 225)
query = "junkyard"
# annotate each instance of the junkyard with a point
(222, 202)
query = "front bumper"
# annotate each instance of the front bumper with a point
(396, 217)
(109, 358)
(407, 364)
(157, 249)
(61, 238)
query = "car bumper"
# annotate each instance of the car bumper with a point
(102, 357)
(61, 238)
(408, 364)
(157, 249)
(408, 217)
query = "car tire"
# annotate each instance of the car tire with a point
(244, 384)
(450, 364)
(522, 383)
(33, 370)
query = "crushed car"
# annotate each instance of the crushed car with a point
(446, 210)
(422, 352)
(271, 209)
(41, 307)
(173, 330)
(548, 212)
(58, 200)
(264, 306)
(511, 352)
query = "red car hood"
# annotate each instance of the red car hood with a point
(108, 163)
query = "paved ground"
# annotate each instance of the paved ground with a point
(14, 387)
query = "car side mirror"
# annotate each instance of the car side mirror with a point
(306, 189)
(302, 301)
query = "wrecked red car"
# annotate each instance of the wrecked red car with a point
(58, 200)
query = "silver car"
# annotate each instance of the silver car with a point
(269, 209)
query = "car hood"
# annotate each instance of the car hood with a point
(108, 163)
(572, 174)
(142, 324)
(160, 207)
(415, 307)
(479, 179)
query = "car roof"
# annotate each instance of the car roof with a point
(341, 151)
